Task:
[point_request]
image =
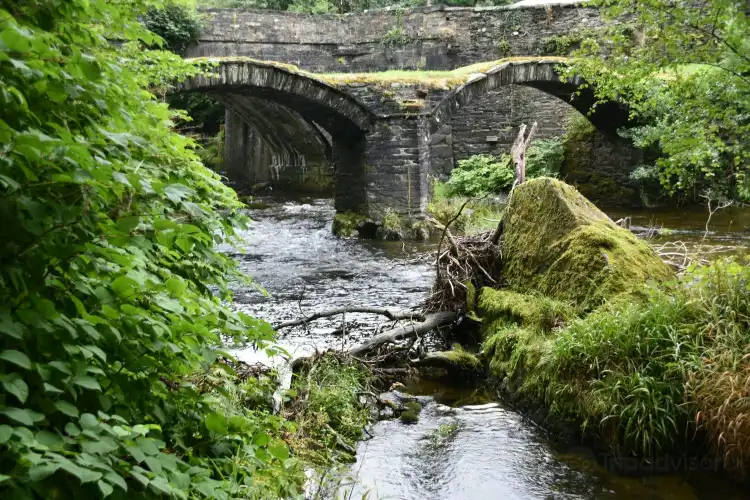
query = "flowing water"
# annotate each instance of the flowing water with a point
(465, 446)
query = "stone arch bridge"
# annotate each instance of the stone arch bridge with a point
(385, 139)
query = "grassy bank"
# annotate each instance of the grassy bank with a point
(657, 374)
(326, 408)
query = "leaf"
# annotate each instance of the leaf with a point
(147, 446)
(22, 416)
(105, 488)
(279, 450)
(16, 386)
(66, 408)
(51, 389)
(17, 358)
(116, 480)
(6, 431)
(50, 440)
(176, 285)
(124, 286)
(216, 422)
(72, 429)
(128, 223)
(89, 421)
(40, 472)
(87, 382)
(10, 327)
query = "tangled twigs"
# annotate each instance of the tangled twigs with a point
(468, 260)
(679, 255)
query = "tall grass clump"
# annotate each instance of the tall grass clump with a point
(328, 410)
(651, 376)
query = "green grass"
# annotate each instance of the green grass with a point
(422, 78)
(327, 409)
(643, 374)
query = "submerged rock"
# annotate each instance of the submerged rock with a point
(558, 243)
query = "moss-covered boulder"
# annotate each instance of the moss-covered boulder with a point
(559, 244)
(531, 310)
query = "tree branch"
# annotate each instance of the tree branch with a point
(392, 315)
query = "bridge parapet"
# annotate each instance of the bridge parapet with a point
(427, 38)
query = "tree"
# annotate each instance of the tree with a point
(111, 289)
(684, 71)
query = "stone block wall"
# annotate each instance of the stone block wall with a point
(395, 165)
(489, 124)
(435, 37)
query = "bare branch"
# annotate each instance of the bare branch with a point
(392, 315)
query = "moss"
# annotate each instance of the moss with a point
(391, 226)
(509, 350)
(559, 244)
(529, 310)
(412, 104)
(457, 360)
(420, 230)
(425, 79)
(347, 224)
(413, 406)
(409, 417)
(257, 205)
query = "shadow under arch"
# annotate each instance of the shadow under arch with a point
(540, 74)
(257, 91)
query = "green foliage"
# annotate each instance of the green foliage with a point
(503, 47)
(480, 175)
(212, 153)
(396, 35)
(327, 408)
(485, 174)
(642, 372)
(544, 158)
(684, 73)
(206, 113)
(176, 24)
(112, 294)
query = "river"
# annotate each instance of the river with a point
(465, 446)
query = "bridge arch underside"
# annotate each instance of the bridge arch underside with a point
(272, 144)
(282, 127)
(484, 117)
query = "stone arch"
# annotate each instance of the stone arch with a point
(296, 116)
(540, 74)
(482, 117)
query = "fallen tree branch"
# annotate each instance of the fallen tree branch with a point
(402, 332)
(392, 315)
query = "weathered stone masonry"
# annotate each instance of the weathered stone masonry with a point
(385, 161)
(439, 37)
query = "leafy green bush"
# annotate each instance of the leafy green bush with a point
(479, 175)
(544, 158)
(176, 24)
(483, 174)
(112, 294)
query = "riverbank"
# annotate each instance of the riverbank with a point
(313, 270)
(597, 338)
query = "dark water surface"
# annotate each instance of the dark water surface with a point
(460, 449)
